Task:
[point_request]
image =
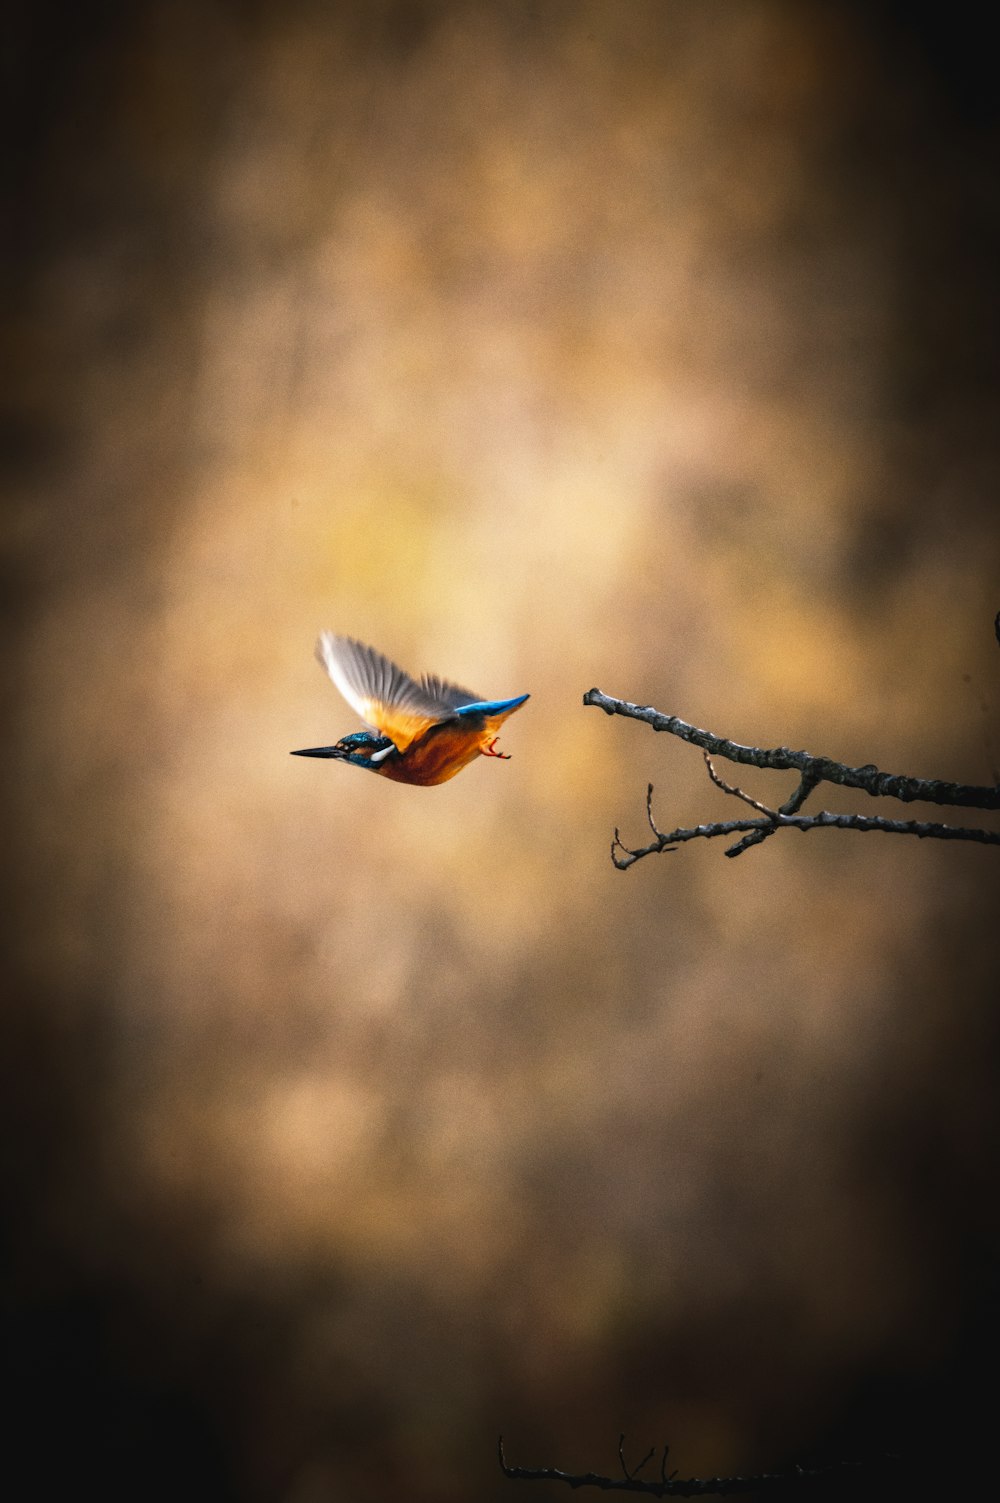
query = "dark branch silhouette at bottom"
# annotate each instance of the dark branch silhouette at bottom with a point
(672, 1486)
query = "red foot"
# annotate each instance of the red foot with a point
(489, 752)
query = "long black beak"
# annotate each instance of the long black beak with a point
(319, 751)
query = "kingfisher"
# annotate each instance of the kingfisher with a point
(421, 733)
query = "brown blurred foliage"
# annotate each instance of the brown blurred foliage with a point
(648, 346)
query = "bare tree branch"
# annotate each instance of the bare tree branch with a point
(624, 856)
(818, 769)
(681, 1487)
(812, 771)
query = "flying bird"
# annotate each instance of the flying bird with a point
(419, 733)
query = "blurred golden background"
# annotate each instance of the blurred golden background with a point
(542, 346)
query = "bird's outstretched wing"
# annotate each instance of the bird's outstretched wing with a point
(447, 694)
(385, 697)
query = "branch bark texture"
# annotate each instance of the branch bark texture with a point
(812, 771)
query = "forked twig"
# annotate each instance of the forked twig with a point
(812, 771)
(673, 1486)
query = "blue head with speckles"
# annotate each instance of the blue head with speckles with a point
(363, 748)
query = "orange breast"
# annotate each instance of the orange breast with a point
(438, 755)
